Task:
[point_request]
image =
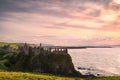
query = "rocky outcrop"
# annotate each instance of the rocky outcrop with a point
(60, 64)
(43, 60)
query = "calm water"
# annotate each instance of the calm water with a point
(103, 61)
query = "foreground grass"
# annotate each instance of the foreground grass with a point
(32, 76)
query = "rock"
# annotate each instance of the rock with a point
(60, 64)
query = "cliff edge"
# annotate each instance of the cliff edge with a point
(38, 59)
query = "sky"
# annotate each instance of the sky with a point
(60, 22)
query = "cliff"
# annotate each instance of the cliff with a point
(38, 59)
(60, 64)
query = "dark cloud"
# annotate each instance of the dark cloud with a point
(11, 6)
(103, 2)
(32, 6)
(60, 8)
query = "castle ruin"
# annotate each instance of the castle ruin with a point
(41, 49)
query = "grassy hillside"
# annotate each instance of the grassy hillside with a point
(14, 45)
(31, 76)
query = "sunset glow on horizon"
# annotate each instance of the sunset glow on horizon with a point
(60, 22)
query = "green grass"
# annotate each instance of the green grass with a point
(2, 66)
(14, 46)
(31, 76)
(35, 76)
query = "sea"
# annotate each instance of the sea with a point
(96, 61)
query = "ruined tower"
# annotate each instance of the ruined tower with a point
(26, 48)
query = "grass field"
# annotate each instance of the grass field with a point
(33, 76)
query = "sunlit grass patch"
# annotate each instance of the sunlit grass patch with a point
(31, 76)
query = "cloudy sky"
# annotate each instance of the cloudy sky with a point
(60, 22)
